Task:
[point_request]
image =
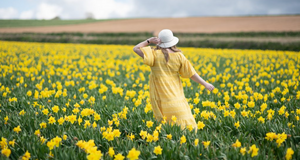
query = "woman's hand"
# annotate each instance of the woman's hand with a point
(209, 86)
(154, 40)
(137, 49)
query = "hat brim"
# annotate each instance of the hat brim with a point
(174, 41)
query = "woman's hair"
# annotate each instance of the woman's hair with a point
(166, 54)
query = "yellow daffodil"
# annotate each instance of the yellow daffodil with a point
(157, 150)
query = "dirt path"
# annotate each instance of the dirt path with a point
(192, 25)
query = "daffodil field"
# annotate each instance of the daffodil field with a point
(76, 101)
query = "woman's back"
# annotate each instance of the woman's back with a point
(177, 63)
(162, 68)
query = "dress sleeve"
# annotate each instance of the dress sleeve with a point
(186, 69)
(148, 55)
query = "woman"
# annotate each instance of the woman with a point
(166, 91)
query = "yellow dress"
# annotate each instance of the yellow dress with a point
(165, 86)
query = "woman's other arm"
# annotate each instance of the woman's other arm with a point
(137, 49)
(199, 80)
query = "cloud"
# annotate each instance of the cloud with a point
(48, 11)
(78, 9)
(106, 9)
(27, 14)
(172, 8)
(100, 9)
(103, 9)
(8, 13)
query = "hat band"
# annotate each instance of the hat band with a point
(169, 41)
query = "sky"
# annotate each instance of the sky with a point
(115, 9)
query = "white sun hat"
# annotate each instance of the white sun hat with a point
(167, 39)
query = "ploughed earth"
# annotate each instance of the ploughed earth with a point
(188, 25)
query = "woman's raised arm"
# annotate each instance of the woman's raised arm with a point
(137, 49)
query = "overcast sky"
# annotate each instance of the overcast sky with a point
(105, 9)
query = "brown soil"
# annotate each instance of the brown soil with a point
(191, 25)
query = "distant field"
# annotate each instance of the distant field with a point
(37, 23)
(154, 25)
(249, 32)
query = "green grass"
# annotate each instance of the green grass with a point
(35, 23)
(243, 34)
(289, 41)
